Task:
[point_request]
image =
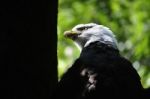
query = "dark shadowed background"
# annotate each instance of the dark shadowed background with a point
(28, 48)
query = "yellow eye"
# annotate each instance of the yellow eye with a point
(84, 28)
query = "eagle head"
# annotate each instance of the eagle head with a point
(84, 34)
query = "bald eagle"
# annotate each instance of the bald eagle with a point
(100, 72)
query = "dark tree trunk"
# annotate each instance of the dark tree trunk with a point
(28, 40)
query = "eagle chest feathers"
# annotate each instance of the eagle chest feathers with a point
(98, 66)
(100, 72)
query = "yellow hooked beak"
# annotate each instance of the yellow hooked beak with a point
(71, 34)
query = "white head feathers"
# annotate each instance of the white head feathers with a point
(84, 34)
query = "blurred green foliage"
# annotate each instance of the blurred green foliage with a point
(128, 19)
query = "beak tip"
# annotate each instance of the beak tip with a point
(66, 33)
(70, 34)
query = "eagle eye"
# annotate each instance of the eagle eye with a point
(84, 28)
